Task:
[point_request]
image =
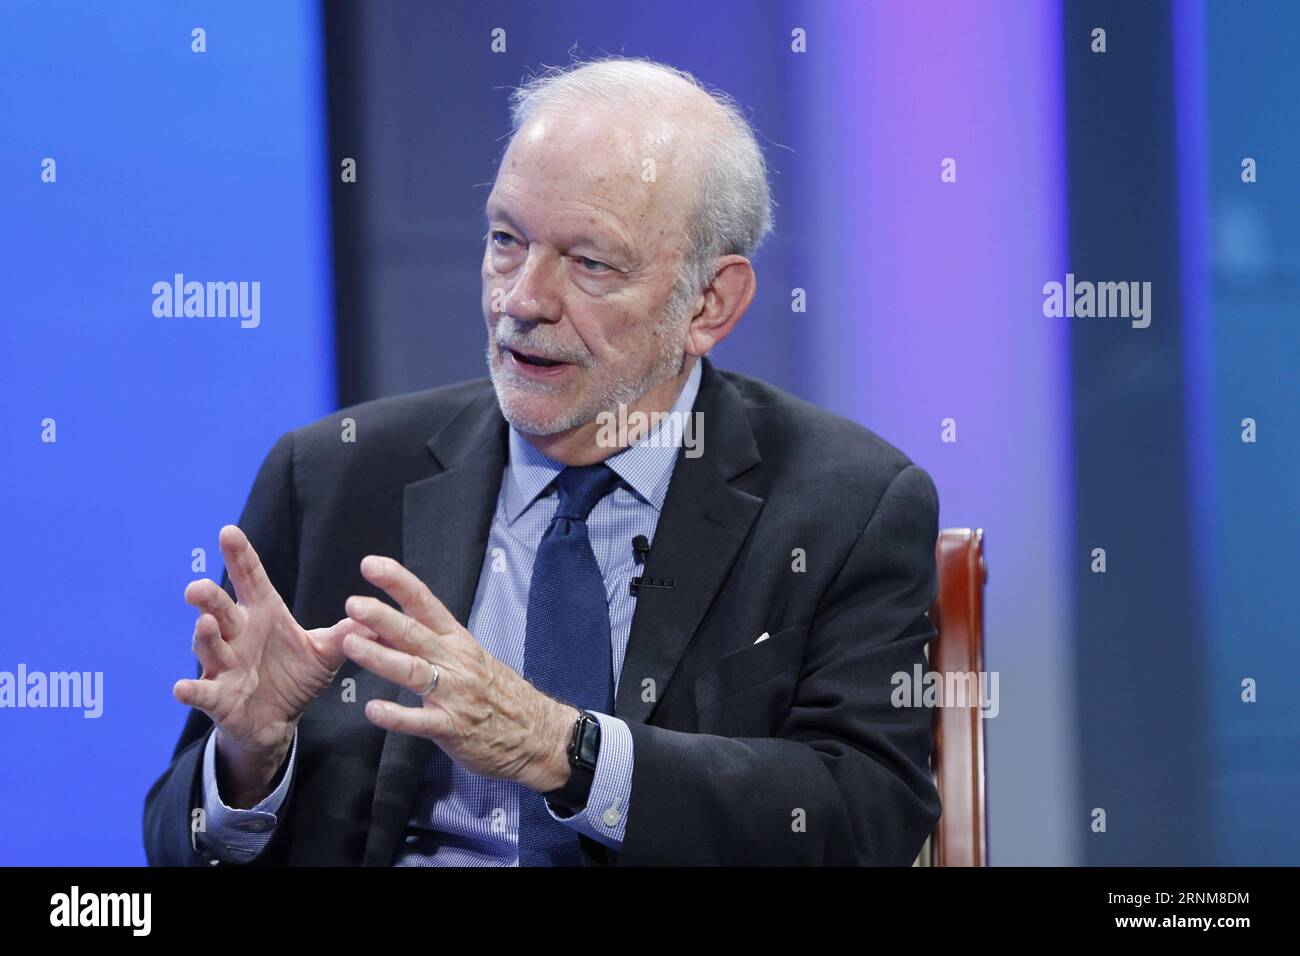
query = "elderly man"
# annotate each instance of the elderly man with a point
(568, 642)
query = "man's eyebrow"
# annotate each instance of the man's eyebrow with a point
(610, 241)
(494, 211)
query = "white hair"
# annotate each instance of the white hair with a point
(731, 213)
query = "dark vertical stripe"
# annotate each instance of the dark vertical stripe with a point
(1142, 710)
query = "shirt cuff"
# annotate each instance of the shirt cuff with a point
(605, 817)
(235, 835)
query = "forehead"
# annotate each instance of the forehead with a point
(570, 171)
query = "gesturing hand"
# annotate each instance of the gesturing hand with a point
(260, 668)
(485, 715)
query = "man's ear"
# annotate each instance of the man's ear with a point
(718, 308)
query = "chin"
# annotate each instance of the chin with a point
(533, 413)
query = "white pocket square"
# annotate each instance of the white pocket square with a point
(762, 637)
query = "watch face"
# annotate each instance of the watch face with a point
(588, 741)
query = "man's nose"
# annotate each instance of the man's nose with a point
(533, 297)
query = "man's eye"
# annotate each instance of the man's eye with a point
(593, 265)
(502, 238)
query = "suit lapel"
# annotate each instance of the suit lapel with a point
(446, 519)
(703, 525)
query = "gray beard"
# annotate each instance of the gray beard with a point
(608, 399)
(667, 365)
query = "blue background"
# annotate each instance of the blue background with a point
(168, 161)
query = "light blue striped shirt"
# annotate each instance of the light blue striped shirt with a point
(460, 818)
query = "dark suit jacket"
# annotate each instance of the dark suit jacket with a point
(783, 752)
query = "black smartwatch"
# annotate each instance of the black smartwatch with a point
(584, 748)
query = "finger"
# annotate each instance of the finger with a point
(213, 653)
(208, 596)
(244, 566)
(417, 721)
(408, 591)
(328, 641)
(199, 694)
(394, 628)
(406, 670)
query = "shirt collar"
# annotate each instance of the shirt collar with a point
(646, 467)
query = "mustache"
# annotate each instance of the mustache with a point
(538, 341)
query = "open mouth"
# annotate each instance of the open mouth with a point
(532, 361)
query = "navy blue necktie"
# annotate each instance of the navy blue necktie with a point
(567, 651)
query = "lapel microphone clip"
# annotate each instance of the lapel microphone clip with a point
(640, 551)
